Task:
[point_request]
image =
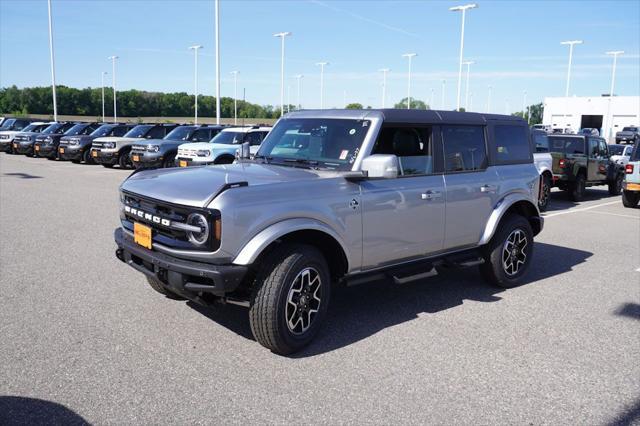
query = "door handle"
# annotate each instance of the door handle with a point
(430, 195)
(488, 188)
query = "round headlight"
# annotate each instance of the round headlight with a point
(48, 139)
(198, 238)
(153, 148)
(203, 153)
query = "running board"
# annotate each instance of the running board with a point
(408, 278)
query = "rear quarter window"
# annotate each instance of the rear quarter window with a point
(511, 144)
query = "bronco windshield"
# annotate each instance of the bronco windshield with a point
(318, 142)
(228, 138)
(103, 130)
(7, 124)
(629, 129)
(78, 129)
(181, 133)
(53, 129)
(138, 131)
(34, 128)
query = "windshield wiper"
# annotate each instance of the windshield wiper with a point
(300, 161)
(266, 158)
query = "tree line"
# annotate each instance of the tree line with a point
(138, 103)
(131, 103)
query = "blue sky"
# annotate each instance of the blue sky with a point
(515, 46)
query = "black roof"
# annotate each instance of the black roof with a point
(435, 116)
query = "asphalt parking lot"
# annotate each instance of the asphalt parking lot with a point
(83, 337)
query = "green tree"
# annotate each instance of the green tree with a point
(415, 104)
(536, 112)
(354, 106)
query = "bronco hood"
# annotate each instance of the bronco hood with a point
(197, 186)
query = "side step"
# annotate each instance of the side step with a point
(403, 279)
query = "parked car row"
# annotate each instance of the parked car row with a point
(129, 145)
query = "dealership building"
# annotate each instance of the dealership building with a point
(607, 114)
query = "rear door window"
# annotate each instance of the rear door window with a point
(567, 145)
(541, 142)
(511, 144)
(412, 145)
(464, 148)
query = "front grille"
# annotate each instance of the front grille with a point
(100, 144)
(185, 152)
(140, 148)
(163, 234)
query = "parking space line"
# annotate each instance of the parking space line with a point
(582, 210)
(617, 214)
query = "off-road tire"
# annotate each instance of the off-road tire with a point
(578, 188)
(272, 287)
(615, 187)
(123, 160)
(545, 193)
(169, 161)
(492, 269)
(157, 286)
(630, 198)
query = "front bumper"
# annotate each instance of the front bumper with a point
(23, 148)
(187, 278)
(146, 160)
(5, 145)
(102, 156)
(70, 152)
(188, 162)
(45, 150)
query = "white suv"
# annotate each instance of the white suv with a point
(222, 148)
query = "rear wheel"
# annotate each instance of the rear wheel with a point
(630, 198)
(578, 188)
(290, 299)
(157, 286)
(615, 187)
(508, 255)
(545, 193)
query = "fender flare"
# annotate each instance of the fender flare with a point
(251, 250)
(499, 211)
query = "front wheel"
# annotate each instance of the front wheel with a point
(169, 161)
(86, 157)
(630, 198)
(290, 298)
(124, 161)
(508, 255)
(615, 187)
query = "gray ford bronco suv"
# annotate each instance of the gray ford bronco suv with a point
(336, 197)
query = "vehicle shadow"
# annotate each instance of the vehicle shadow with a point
(560, 199)
(23, 175)
(356, 313)
(631, 416)
(16, 410)
(630, 310)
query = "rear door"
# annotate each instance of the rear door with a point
(404, 218)
(472, 186)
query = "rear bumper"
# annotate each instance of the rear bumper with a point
(187, 278)
(631, 186)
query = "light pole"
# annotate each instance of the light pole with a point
(282, 36)
(462, 9)
(113, 78)
(235, 96)
(103, 74)
(299, 78)
(524, 103)
(195, 89)
(410, 57)
(470, 102)
(322, 65)
(466, 96)
(444, 82)
(489, 99)
(431, 98)
(217, 19)
(53, 65)
(571, 43)
(615, 54)
(384, 72)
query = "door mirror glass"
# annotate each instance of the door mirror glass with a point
(381, 166)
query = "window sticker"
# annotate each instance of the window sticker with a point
(343, 154)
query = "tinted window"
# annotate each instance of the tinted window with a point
(635, 155)
(79, 129)
(594, 149)
(629, 129)
(604, 152)
(541, 142)
(181, 133)
(511, 144)
(7, 124)
(464, 148)
(567, 145)
(120, 131)
(228, 138)
(157, 133)
(412, 146)
(255, 138)
(139, 131)
(616, 149)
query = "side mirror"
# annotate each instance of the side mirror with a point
(244, 151)
(381, 166)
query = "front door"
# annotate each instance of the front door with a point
(594, 159)
(403, 218)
